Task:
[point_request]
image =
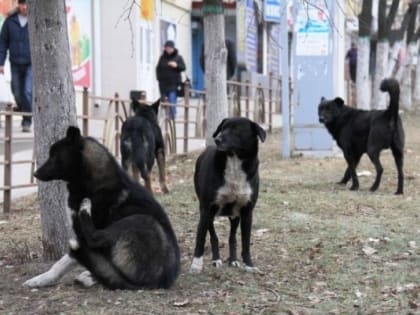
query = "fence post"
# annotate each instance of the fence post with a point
(7, 162)
(117, 125)
(247, 96)
(238, 98)
(85, 112)
(186, 114)
(270, 102)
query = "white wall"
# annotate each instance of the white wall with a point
(118, 63)
(120, 67)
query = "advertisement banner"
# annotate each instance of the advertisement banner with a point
(241, 32)
(147, 10)
(80, 37)
(312, 28)
(251, 37)
(272, 11)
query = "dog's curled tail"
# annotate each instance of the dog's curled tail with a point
(393, 88)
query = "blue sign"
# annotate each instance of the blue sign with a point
(251, 40)
(272, 11)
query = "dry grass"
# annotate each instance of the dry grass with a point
(321, 249)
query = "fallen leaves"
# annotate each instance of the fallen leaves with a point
(369, 251)
(181, 303)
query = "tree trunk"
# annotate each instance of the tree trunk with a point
(382, 50)
(416, 96)
(363, 53)
(406, 83)
(397, 36)
(393, 57)
(215, 65)
(54, 110)
(379, 97)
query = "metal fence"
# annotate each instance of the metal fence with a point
(244, 99)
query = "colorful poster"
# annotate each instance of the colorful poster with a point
(272, 11)
(6, 7)
(80, 36)
(147, 10)
(312, 28)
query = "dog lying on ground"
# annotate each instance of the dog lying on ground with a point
(359, 131)
(226, 182)
(141, 143)
(123, 236)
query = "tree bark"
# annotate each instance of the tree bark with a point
(215, 55)
(397, 38)
(363, 53)
(416, 96)
(54, 110)
(382, 50)
(406, 82)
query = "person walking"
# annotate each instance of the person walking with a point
(352, 61)
(14, 38)
(168, 73)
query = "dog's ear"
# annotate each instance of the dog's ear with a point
(73, 135)
(155, 106)
(322, 99)
(339, 101)
(219, 128)
(259, 131)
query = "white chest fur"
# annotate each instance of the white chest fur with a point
(236, 189)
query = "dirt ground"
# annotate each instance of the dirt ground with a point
(320, 248)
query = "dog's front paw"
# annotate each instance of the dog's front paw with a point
(217, 263)
(42, 280)
(164, 189)
(196, 265)
(235, 264)
(74, 244)
(86, 206)
(85, 279)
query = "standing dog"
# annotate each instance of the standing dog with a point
(358, 131)
(123, 236)
(142, 142)
(226, 182)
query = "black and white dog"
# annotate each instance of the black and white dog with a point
(226, 182)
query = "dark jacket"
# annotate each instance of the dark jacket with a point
(14, 38)
(231, 61)
(167, 76)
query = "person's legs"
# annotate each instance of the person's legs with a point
(172, 101)
(27, 95)
(16, 83)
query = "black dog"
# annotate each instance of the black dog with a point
(226, 182)
(359, 131)
(142, 142)
(123, 236)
